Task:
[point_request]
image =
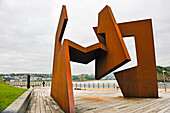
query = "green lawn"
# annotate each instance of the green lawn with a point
(8, 94)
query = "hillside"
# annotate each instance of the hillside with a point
(168, 67)
(159, 70)
(8, 94)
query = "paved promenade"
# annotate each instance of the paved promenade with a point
(100, 101)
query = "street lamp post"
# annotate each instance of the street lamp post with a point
(164, 79)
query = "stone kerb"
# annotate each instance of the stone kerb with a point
(20, 104)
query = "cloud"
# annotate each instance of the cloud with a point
(28, 27)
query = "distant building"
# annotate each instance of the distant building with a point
(49, 78)
(84, 75)
(103, 78)
(91, 75)
(46, 79)
(81, 77)
(14, 80)
(23, 80)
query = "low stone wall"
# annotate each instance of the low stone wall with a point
(20, 104)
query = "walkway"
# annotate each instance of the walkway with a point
(42, 102)
(100, 101)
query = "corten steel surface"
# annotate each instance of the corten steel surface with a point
(62, 89)
(109, 54)
(139, 81)
(109, 34)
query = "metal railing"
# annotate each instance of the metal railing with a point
(80, 84)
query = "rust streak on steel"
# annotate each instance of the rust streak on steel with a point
(109, 54)
(93, 99)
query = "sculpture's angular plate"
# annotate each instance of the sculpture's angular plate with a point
(61, 89)
(140, 81)
(109, 34)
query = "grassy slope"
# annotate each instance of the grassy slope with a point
(8, 94)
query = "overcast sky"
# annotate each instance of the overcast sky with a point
(28, 27)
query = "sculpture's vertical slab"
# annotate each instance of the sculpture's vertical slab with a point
(140, 81)
(61, 89)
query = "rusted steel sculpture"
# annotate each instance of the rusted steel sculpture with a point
(139, 81)
(109, 35)
(109, 54)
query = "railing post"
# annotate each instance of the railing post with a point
(84, 85)
(164, 79)
(93, 85)
(103, 85)
(98, 85)
(76, 85)
(108, 85)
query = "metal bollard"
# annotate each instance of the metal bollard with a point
(28, 81)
